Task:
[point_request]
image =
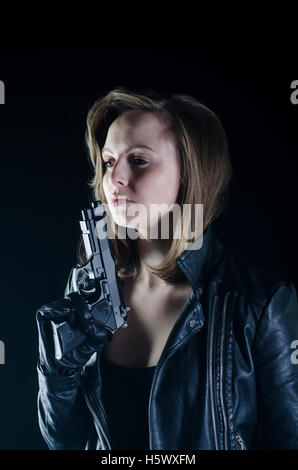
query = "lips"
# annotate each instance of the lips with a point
(120, 200)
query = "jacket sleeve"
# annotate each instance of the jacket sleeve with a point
(63, 416)
(277, 369)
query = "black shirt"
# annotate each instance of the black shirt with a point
(126, 392)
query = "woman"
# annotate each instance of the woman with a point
(205, 362)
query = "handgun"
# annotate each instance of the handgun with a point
(102, 288)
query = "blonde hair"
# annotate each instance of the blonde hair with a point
(205, 167)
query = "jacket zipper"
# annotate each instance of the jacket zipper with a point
(211, 381)
(211, 378)
(97, 420)
(221, 372)
(240, 441)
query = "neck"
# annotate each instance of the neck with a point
(151, 253)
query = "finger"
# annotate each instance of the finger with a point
(82, 313)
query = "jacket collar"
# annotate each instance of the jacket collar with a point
(197, 264)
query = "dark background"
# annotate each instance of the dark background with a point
(241, 68)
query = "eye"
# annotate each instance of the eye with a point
(139, 161)
(106, 164)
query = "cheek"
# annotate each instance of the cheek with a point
(162, 185)
(170, 184)
(104, 185)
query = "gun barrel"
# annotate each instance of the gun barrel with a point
(98, 250)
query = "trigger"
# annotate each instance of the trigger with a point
(84, 281)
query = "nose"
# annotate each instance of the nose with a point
(119, 174)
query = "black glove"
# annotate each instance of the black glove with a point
(74, 310)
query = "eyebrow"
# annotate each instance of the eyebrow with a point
(132, 147)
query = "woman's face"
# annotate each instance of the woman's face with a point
(142, 168)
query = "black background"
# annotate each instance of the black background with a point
(241, 67)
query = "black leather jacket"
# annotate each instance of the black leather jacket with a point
(225, 379)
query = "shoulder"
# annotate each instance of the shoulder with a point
(255, 283)
(260, 300)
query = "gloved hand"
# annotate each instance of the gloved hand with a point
(74, 310)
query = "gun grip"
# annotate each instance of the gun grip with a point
(66, 338)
